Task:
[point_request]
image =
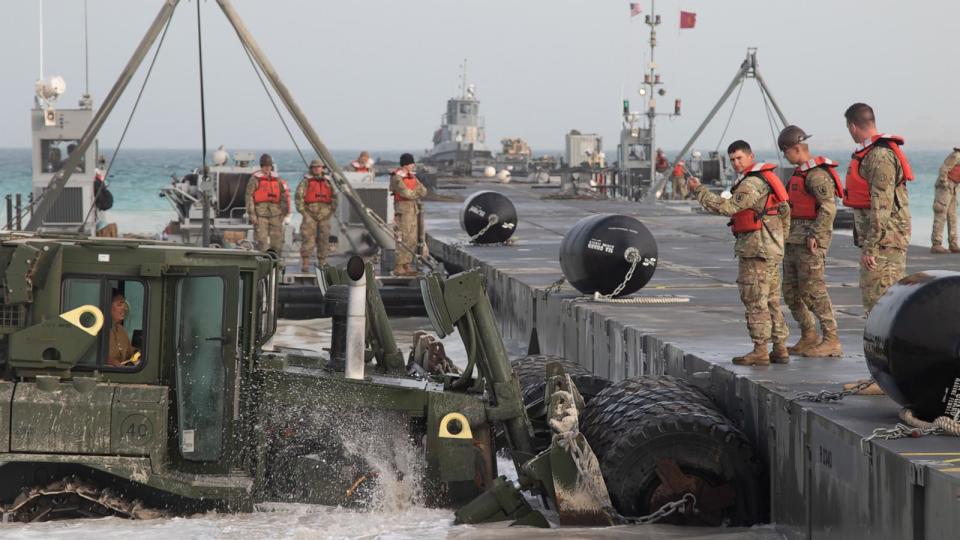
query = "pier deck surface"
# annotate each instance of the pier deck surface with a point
(823, 485)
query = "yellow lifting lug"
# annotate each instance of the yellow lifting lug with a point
(455, 426)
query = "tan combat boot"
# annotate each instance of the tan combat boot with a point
(829, 347)
(939, 250)
(305, 265)
(757, 357)
(808, 338)
(954, 248)
(780, 354)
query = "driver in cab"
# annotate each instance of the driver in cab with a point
(121, 352)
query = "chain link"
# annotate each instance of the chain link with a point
(824, 396)
(679, 505)
(491, 221)
(900, 431)
(634, 259)
(555, 286)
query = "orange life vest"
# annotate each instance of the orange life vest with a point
(409, 182)
(677, 170)
(857, 192)
(268, 188)
(803, 205)
(318, 190)
(359, 168)
(749, 220)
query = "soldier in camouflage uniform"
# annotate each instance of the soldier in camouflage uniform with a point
(316, 202)
(407, 192)
(945, 204)
(760, 215)
(878, 174)
(813, 189)
(268, 203)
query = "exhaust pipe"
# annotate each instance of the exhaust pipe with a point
(356, 318)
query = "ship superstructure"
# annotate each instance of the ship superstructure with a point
(459, 144)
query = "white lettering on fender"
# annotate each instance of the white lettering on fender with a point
(598, 245)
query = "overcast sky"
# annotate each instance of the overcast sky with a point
(377, 73)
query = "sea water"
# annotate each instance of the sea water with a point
(137, 176)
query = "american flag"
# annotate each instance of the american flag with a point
(634, 9)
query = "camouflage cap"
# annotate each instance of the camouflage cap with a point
(316, 163)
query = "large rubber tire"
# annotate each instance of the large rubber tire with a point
(531, 373)
(703, 444)
(613, 411)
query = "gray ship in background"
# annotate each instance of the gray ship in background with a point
(459, 144)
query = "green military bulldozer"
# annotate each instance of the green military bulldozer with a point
(135, 382)
(186, 411)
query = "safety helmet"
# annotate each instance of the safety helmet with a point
(790, 136)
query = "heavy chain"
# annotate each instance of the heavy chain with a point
(828, 395)
(900, 431)
(555, 286)
(680, 505)
(491, 221)
(634, 259)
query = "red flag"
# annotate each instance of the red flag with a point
(688, 19)
(634, 9)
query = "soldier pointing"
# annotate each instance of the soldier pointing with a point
(759, 217)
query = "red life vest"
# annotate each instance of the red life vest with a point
(409, 182)
(803, 205)
(318, 190)
(268, 188)
(954, 174)
(662, 163)
(857, 192)
(677, 170)
(750, 220)
(359, 168)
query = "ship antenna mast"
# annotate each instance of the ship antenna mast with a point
(652, 80)
(41, 39)
(463, 80)
(86, 52)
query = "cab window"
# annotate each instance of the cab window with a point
(123, 303)
(55, 152)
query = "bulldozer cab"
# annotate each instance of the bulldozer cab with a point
(129, 358)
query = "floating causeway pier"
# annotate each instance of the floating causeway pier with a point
(824, 483)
